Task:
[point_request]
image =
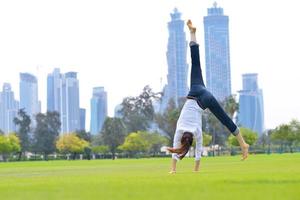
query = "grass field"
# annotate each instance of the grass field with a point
(260, 177)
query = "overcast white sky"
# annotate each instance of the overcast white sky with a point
(121, 45)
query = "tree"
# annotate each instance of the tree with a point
(138, 112)
(70, 143)
(231, 106)
(14, 142)
(280, 134)
(168, 120)
(263, 141)
(113, 134)
(23, 122)
(287, 134)
(101, 149)
(9, 144)
(206, 139)
(143, 142)
(135, 143)
(46, 132)
(82, 134)
(1, 132)
(249, 136)
(155, 140)
(294, 134)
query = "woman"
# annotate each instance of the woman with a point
(189, 122)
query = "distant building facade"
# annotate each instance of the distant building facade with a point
(177, 85)
(63, 97)
(29, 95)
(251, 106)
(98, 109)
(8, 109)
(217, 54)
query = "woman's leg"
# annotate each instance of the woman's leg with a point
(173, 166)
(197, 166)
(196, 72)
(219, 112)
(198, 149)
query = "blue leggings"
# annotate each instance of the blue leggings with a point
(203, 97)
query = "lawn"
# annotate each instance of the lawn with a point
(260, 177)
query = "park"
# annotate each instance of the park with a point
(275, 176)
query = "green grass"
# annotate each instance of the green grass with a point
(260, 177)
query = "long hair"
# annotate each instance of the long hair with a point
(186, 143)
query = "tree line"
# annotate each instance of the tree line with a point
(138, 131)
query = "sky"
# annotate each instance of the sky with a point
(122, 44)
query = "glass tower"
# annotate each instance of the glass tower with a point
(29, 95)
(217, 56)
(177, 62)
(63, 97)
(8, 109)
(251, 107)
(98, 109)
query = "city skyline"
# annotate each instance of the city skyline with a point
(113, 54)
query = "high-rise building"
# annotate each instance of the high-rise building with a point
(70, 115)
(98, 109)
(117, 111)
(82, 118)
(29, 95)
(251, 107)
(63, 97)
(217, 56)
(177, 85)
(54, 91)
(8, 109)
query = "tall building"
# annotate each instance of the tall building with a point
(54, 91)
(177, 85)
(251, 107)
(63, 97)
(70, 114)
(82, 118)
(8, 109)
(98, 109)
(117, 111)
(217, 56)
(29, 95)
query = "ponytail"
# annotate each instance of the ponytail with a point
(186, 143)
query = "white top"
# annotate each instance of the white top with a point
(190, 120)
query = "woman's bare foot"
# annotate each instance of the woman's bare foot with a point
(190, 26)
(245, 152)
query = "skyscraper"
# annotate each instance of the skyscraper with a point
(177, 64)
(70, 115)
(54, 91)
(251, 107)
(8, 109)
(63, 97)
(217, 56)
(29, 95)
(98, 109)
(82, 118)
